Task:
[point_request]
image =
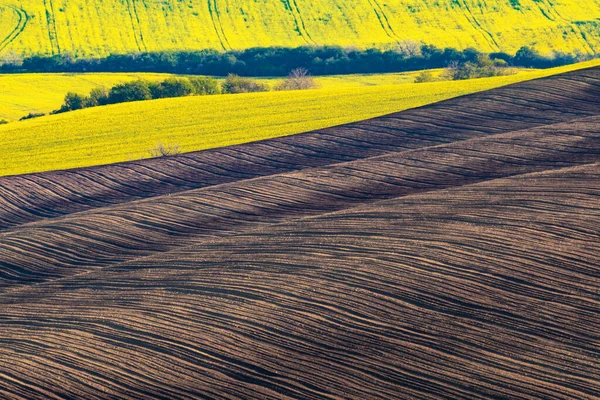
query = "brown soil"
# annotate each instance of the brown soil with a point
(451, 251)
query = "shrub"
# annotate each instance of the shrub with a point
(409, 48)
(155, 90)
(425, 76)
(530, 58)
(482, 67)
(499, 62)
(74, 101)
(31, 115)
(205, 85)
(97, 97)
(140, 90)
(130, 91)
(298, 79)
(164, 151)
(171, 87)
(236, 84)
(3, 122)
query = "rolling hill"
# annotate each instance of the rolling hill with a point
(128, 131)
(50, 89)
(100, 27)
(447, 251)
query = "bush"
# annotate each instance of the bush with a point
(204, 85)
(97, 97)
(171, 87)
(31, 115)
(164, 151)
(130, 91)
(3, 122)
(530, 58)
(298, 79)
(140, 90)
(482, 67)
(499, 62)
(236, 84)
(74, 101)
(425, 76)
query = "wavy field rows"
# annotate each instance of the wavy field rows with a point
(125, 132)
(562, 98)
(449, 251)
(100, 27)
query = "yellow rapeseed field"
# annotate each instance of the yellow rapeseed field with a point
(100, 27)
(128, 131)
(21, 94)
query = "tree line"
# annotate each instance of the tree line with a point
(138, 90)
(278, 61)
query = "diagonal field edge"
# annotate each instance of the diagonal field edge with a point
(556, 99)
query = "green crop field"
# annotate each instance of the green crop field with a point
(21, 94)
(100, 27)
(128, 131)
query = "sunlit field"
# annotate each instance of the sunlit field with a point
(17, 99)
(100, 27)
(128, 131)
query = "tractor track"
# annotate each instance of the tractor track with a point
(576, 29)
(216, 20)
(136, 26)
(478, 27)
(52, 30)
(19, 28)
(293, 8)
(383, 20)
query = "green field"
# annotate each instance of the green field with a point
(128, 131)
(100, 27)
(21, 94)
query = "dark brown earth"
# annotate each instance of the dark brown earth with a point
(451, 251)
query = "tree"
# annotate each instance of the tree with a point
(74, 101)
(205, 85)
(162, 150)
(409, 48)
(236, 84)
(97, 97)
(11, 60)
(530, 58)
(130, 91)
(298, 79)
(425, 76)
(31, 115)
(484, 66)
(172, 87)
